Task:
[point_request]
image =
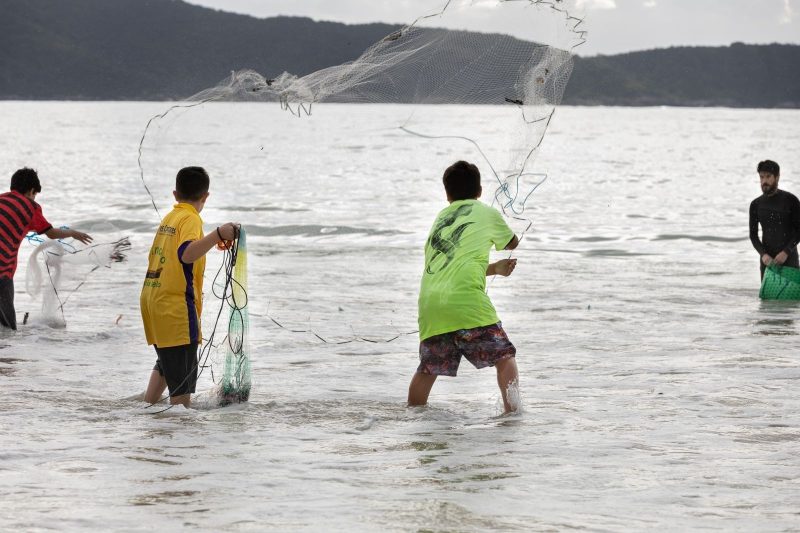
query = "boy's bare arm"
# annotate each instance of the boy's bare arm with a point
(56, 233)
(512, 244)
(198, 249)
(504, 267)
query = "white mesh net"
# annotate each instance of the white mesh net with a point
(420, 81)
(422, 64)
(52, 262)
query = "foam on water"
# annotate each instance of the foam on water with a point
(660, 393)
(514, 398)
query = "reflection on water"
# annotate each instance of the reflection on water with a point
(169, 497)
(780, 317)
(428, 446)
(775, 326)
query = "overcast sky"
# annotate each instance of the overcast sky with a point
(615, 25)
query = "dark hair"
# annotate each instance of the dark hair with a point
(462, 181)
(769, 166)
(24, 180)
(191, 183)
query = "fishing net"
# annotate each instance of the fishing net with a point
(54, 262)
(522, 75)
(780, 283)
(234, 385)
(432, 82)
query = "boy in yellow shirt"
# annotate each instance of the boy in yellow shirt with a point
(172, 296)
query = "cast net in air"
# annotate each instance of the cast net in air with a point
(514, 55)
(476, 79)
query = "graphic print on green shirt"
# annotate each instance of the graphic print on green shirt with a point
(442, 245)
(452, 293)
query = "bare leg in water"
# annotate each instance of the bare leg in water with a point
(157, 386)
(420, 388)
(507, 375)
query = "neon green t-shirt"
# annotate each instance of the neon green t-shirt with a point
(452, 294)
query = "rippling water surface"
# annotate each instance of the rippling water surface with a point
(659, 392)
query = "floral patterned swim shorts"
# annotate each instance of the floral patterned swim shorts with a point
(440, 355)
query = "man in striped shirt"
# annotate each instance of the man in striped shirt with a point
(19, 214)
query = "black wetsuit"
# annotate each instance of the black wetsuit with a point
(779, 216)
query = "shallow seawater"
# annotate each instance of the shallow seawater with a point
(658, 391)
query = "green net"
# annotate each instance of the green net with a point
(780, 283)
(234, 386)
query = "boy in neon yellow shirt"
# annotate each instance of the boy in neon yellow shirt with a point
(456, 317)
(172, 295)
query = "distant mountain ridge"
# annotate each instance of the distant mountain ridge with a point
(168, 49)
(738, 75)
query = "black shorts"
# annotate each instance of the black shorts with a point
(178, 366)
(8, 315)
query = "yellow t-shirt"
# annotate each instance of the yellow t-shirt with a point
(172, 295)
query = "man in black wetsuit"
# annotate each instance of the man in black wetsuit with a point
(778, 212)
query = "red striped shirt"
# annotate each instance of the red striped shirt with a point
(18, 215)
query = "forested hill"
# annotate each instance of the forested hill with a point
(739, 75)
(167, 49)
(155, 49)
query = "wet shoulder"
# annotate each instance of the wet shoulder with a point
(451, 209)
(14, 196)
(473, 211)
(179, 216)
(485, 213)
(789, 197)
(173, 221)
